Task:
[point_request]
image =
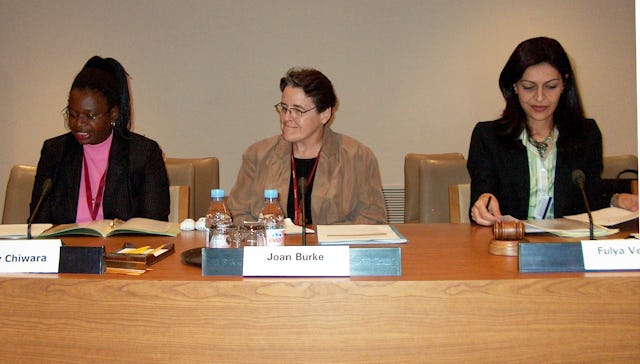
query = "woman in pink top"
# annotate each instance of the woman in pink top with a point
(100, 169)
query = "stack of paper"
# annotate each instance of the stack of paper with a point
(292, 229)
(607, 217)
(566, 228)
(358, 234)
(19, 231)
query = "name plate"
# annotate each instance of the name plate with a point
(296, 261)
(376, 261)
(30, 256)
(549, 257)
(612, 254)
(362, 261)
(221, 262)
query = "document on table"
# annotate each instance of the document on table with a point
(19, 231)
(292, 229)
(607, 217)
(358, 234)
(562, 227)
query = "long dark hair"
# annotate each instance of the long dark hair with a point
(568, 116)
(107, 76)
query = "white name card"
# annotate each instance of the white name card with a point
(612, 254)
(30, 256)
(296, 261)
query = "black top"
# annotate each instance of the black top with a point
(303, 169)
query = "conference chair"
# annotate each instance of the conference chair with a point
(620, 173)
(18, 194)
(435, 178)
(179, 203)
(412, 183)
(459, 201)
(617, 164)
(205, 175)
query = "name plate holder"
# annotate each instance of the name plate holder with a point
(589, 255)
(361, 261)
(82, 259)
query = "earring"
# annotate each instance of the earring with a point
(113, 123)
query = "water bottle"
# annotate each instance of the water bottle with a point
(218, 220)
(272, 218)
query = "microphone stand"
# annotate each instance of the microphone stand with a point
(586, 203)
(46, 188)
(578, 178)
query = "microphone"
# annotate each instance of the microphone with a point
(577, 176)
(302, 185)
(46, 188)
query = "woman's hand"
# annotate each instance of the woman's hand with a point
(626, 201)
(486, 210)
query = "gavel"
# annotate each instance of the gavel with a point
(506, 236)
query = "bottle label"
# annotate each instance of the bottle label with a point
(218, 241)
(275, 237)
(218, 236)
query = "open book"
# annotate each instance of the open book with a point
(358, 234)
(104, 228)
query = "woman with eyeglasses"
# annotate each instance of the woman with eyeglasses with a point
(344, 185)
(100, 169)
(525, 163)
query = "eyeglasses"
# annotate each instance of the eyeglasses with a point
(296, 113)
(69, 115)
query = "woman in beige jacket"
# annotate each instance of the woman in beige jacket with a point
(342, 173)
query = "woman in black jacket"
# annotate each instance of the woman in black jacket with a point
(522, 164)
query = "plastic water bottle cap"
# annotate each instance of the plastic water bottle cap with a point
(270, 193)
(217, 193)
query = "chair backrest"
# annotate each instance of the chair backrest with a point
(412, 181)
(614, 164)
(459, 200)
(206, 176)
(179, 203)
(18, 194)
(435, 178)
(620, 174)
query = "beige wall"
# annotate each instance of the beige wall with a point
(412, 76)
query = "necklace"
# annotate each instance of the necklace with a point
(542, 146)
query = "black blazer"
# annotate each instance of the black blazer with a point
(503, 170)
(136, 184)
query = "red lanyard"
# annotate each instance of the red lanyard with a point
(296, 203)
(94, 207)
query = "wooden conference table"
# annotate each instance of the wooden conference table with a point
(454, 303)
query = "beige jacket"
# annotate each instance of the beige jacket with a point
(347, 188)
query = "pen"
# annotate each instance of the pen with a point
(153, 252)
(546, 209)
(138, 250)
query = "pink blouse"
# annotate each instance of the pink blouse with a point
(97, 161)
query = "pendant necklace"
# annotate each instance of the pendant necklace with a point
(542, 146)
